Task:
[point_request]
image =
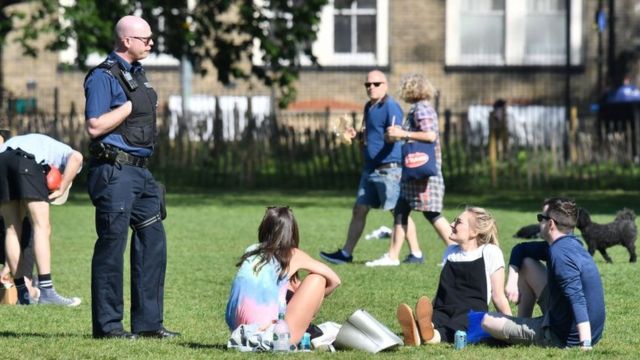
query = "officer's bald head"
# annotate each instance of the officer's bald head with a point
(134, 38)
(132, 26)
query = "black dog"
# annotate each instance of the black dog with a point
(599, 237)
(528, 232)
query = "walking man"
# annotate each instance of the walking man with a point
(380, 178)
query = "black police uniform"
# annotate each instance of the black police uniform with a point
(125, 195)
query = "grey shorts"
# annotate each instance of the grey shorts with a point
(530, 331)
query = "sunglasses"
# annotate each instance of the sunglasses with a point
(145, 39)
(543, 217)
(376, 84)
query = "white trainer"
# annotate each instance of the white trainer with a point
(385, 260)
(51, 297)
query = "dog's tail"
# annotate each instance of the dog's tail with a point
(626, 214)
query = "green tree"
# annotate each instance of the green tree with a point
(219, 32)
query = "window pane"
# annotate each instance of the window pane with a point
(545, 36)
(481, 5)
(482, 31)
(546, 5)
(342, 4)
(367, 4)
(342, 33)
(367, 34)
(482, 36)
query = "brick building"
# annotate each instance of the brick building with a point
(473, 51)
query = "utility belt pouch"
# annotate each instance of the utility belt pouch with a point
(101, 151)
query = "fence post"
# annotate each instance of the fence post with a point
(573, 135)
(493, 155)
(327, 117)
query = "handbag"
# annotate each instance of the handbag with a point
(363, 332)
(418, 160)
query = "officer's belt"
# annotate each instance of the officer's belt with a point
(122, 157)
(125, 158)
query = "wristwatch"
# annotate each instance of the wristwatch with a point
(406, 136)
(585, 344)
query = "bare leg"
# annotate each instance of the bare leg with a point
(397, 238)
(39, 214)
(13, 224)
(531, 282)
(358, 221)
(304, 305)
(441, 225)
(412, 236)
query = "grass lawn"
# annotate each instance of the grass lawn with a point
(207, 232)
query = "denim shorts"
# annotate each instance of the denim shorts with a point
(380, 188)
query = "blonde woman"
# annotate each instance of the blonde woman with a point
(473, 274)
(425, 195)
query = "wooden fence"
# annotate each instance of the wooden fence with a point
(284, 153)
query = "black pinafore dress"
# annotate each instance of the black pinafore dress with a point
(462, 287)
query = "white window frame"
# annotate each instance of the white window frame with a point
(515, 35)
(324, 48)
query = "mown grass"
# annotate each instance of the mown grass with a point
(207, 232)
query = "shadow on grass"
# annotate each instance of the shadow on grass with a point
(11, 334)
(198, 346)
(606, 202)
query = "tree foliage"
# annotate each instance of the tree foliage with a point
(223, 33)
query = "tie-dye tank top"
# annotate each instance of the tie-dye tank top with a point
(255, 297)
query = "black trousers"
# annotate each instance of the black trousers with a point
(126, 196)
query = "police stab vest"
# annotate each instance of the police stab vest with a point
(139, 129)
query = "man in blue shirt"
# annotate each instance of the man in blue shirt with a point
(121, 121)
(572, 301)
(380, 179)
(23, 185)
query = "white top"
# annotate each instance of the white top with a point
(493, 260)
(45, 149)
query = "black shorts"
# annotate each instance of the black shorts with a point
(21, 178)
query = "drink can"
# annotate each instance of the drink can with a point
(305, 343)
(460, 340)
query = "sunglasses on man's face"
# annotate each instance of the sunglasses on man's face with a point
(543, 217)
(376, 84)
(145, 39)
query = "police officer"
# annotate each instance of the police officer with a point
(121, 117)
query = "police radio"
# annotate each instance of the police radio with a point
(131, 83)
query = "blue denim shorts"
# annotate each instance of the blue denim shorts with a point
(380, 188)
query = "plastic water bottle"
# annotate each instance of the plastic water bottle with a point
(281, 334)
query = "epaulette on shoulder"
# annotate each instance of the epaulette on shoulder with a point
(107, 65)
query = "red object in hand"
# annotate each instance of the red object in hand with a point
(54, 178)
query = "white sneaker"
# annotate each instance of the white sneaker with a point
(385, 260)
(49, 296)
